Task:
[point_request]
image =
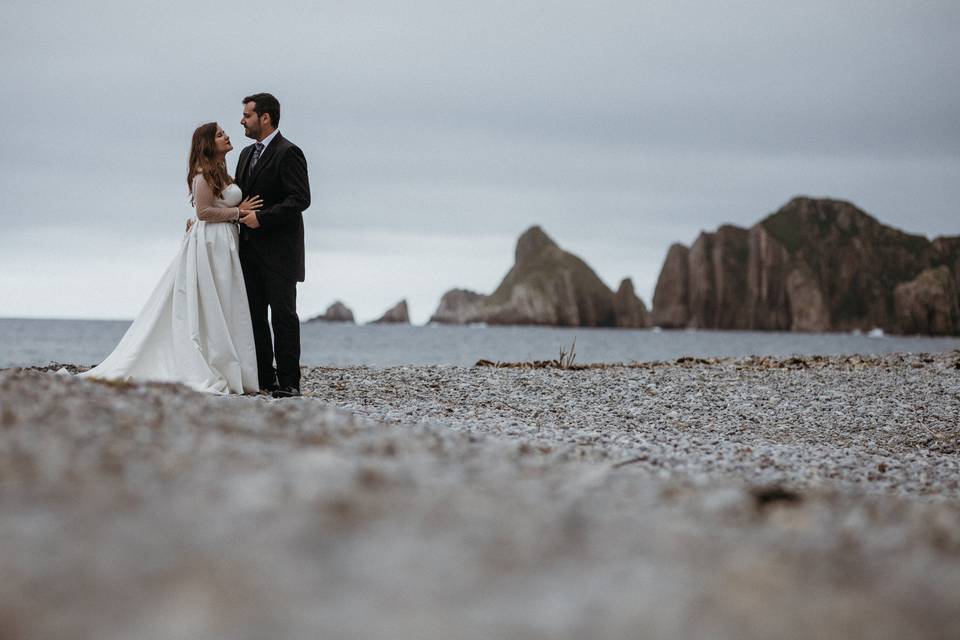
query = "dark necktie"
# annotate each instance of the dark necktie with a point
(257, 150)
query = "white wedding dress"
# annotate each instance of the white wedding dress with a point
(195, 328)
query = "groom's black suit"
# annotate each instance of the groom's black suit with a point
(272, 255)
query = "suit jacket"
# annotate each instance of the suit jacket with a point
(280, 178)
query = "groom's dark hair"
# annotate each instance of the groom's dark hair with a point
(265, 103)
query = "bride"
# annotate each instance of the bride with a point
(195, 327)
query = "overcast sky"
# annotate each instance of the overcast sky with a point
(436, 132)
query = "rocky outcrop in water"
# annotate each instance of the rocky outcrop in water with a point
(337, 312)
(928, 303)
(672, 295)
(546, 286)
(397, 314)
(457, 306)
(629, 312)
(814, 265)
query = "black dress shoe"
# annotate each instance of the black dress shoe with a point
(286, 392)
(270, 387)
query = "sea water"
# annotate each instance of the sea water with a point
(38, 342)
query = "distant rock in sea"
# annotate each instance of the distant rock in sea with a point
(814, 265)
(457, 306)
(337, 312)
(671, 297)
(397, 314)
(546, 286)
(628, 309)
(928, 303)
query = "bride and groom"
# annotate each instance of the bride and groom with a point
(205, 323)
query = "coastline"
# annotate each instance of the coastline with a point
(732, 497)
(36, 343)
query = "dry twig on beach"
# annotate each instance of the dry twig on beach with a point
(565, 361)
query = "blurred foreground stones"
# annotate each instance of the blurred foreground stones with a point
(151, 511)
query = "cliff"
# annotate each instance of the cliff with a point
(545, 286)
(814, 265)
(457, 307)
(629, 312)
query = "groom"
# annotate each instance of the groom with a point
(271, 242)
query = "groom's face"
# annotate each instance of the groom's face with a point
(252, 125)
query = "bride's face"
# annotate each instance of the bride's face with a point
(222, 142)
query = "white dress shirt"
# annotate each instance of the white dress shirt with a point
(267, 140)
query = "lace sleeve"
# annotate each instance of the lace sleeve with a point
(203, 201)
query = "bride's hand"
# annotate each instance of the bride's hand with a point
(189, 224)
(251, 203)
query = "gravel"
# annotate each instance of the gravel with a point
(750, 498)
(888, 423)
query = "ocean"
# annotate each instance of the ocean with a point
(38, 342)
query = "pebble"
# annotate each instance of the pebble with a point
(801, 421)
(713, 498)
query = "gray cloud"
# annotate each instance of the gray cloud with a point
(620, 127)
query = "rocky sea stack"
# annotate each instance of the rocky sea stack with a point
(814, 265)
(397, 314)
(628, 309)
(337, 312)
(546, 286)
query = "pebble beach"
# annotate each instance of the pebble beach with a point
(697, 498)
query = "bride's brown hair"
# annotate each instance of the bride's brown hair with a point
(203, 152)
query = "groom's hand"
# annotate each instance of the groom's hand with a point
(250, 219)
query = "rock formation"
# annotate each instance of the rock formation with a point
(928, 303)
(396, 314)
(337, 312)
(814, 265)
(672, 297)
(947, 252)
(629, 311)
(546, 286)
(456, 306)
